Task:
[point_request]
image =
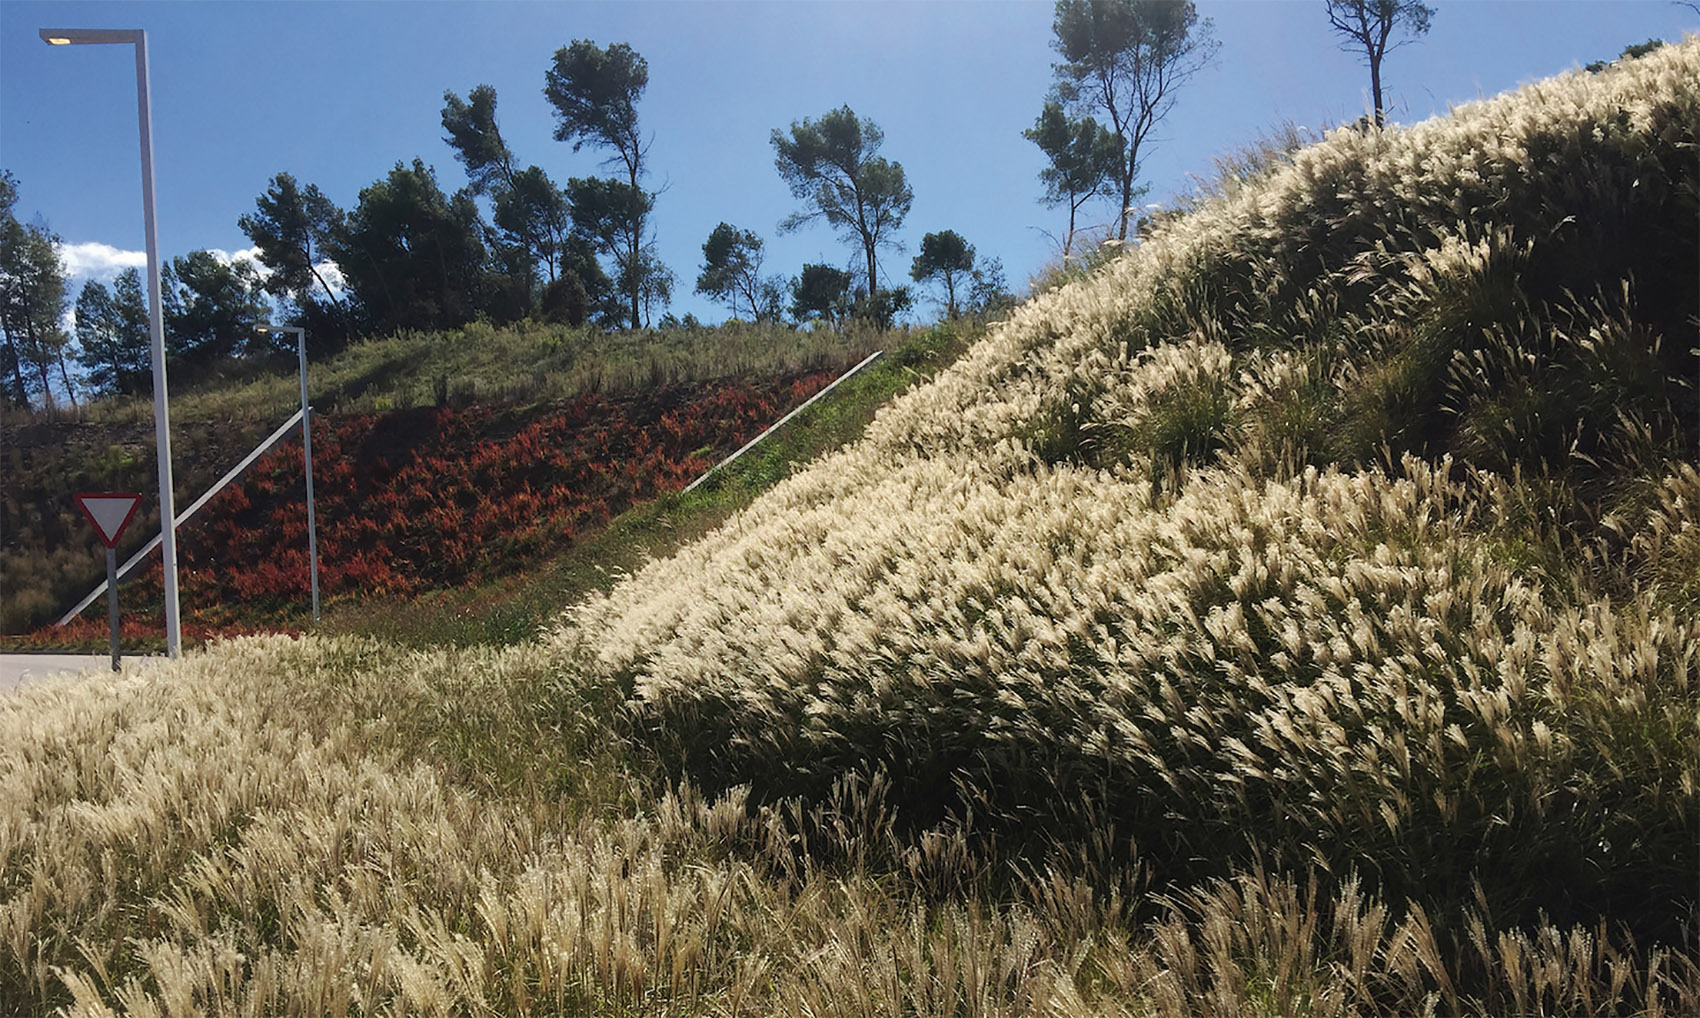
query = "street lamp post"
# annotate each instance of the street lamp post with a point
(307, 450)
(156, 320)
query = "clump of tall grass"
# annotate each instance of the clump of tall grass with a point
(1213, 537)
(1336, 664)
(330, 827)
(1244, 167)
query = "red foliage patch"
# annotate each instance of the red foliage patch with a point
(438, 497)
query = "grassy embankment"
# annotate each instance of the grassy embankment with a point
(514, 608)
(1298, 616)
(587, 396)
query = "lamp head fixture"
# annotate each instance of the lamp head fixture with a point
(90, 36)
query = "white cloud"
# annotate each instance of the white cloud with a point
(332, 276)
(250, 255)
(94, 260)
(326, 269)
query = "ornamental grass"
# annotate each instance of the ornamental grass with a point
(1297, 615)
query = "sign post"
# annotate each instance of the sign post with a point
(110, 512)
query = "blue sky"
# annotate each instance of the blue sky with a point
(337, 92)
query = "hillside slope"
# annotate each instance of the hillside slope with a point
(1296, 617)
(437, 400)
(1350, 521)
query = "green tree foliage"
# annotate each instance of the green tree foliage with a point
(988, 292)
(292, 226)
(1369, 25)
(771, 305)
(946, 259)
(566, 301)
(1084, 160)
(595, 93)
(212, 309)
(33, 303)
(833, 164)
(1127, 59)
(821, 292)
(533, 212)
(1641, 49)
(731, 272)
(15, 389)
(535, 247)
(881, 308)
(581, 286)
(521, 244)
(112, 336)
(12, 389)
(1631, 52)
(414, 257)
(602, 211)
(656, 283)
(476, 139)
(131, 300)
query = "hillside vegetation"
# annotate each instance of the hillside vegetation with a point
(530, 427)
(1349, 523)
(1300, 615)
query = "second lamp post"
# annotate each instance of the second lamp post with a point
(307, 450)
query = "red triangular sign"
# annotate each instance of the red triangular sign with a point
(110, 512)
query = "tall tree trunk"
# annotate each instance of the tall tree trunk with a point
(315, 271)
(447, 287)
(1375, 86)
(1073, 210)
(39, 357)
(46, 383)
(18, 369)
(635, 242)
(383, 284)
(869, 241)
(1127, 195)
(636, 272)
(65, 377)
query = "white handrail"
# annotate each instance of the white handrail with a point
(183, 517)
(747, 445)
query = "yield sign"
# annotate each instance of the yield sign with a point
(110, 512)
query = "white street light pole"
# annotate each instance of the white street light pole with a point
(307, 449)
(156, 320)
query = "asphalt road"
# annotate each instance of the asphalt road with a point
(21, 669)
